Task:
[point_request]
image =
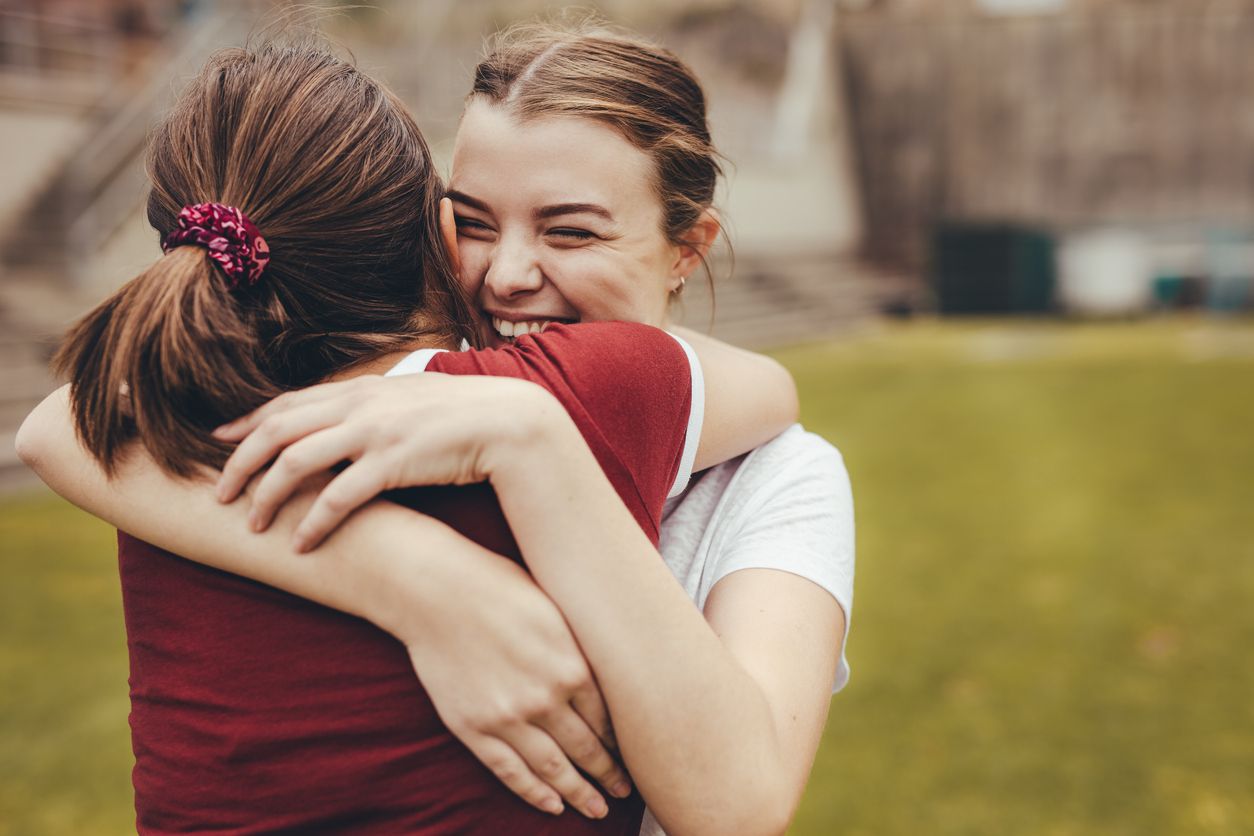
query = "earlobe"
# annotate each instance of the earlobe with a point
(448, 232)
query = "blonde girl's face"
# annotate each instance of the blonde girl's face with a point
(558, 221)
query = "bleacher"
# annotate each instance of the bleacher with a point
(56, 241)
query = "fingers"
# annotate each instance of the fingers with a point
(245, 424)
(355, 486)
(551, 765)
(590, 705)
(270, 436)
(513, 772)
(312, 454)
(585, 749)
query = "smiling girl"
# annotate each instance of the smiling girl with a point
(582, 183)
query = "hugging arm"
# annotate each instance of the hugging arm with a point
(511, 670)
(718, 718)
(749, 398)
(745, 399)
(506, 676)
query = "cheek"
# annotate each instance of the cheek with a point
(600, 286)
(475, 256)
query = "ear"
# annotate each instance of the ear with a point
(448, 231)
(699, 238)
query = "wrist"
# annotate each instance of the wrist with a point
(407, 593)
(538, 429)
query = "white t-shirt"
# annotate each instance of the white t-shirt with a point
(786, 505)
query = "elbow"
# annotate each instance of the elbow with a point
(764, 809)
(30, 444)
(791, 401)
(772, 813)
(766, 820)
(788, 402)
(37, 439)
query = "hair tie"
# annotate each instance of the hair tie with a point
(233, 241)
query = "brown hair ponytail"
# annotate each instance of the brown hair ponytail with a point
(338, 179)
(168, 358)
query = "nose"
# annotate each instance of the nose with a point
(514, 271)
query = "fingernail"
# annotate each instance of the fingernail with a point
(597, 808)
(552, 805)
(221, 431)
(621, 790)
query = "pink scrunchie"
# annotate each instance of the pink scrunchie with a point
(233, 241)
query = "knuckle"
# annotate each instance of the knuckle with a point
(290, 462)
(506, 770)
(532, 707)
(272, 426)
(586, 749)
(552, 766)
(390, 434)
(335, 502)
(575, 678)
(493, 719)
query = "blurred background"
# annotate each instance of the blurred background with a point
(1007, 249)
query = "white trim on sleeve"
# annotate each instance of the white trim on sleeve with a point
(414, 363)
(696, 419)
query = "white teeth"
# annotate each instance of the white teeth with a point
(509, 329)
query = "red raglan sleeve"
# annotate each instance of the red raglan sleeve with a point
(629, 389)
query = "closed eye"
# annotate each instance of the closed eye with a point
(572, 234)
(470, 226)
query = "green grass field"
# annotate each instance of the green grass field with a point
(1055, 606)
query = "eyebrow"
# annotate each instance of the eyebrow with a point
(553, 211)
(558, 209)
(462, 197)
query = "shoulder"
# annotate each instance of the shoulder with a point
(632, 390)
(794, 465)
(788, 506)
(796, 447)
(586, 355)
(796, 469)
(608, 340)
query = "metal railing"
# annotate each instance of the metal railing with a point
(101, 182)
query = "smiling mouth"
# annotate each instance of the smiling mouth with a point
(509, 330)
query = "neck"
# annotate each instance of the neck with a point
(383, 363)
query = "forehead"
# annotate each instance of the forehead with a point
(547, 158)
